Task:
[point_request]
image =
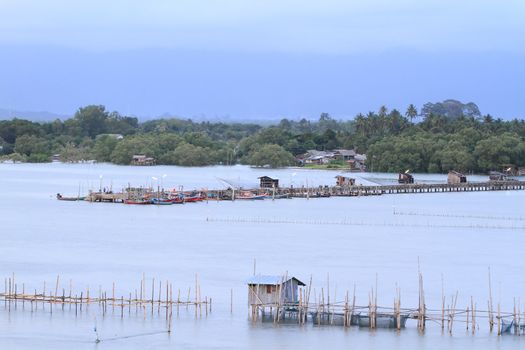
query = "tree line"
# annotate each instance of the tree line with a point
(439, 138)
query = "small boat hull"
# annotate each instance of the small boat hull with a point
(137, 202)
(255, 197)
(69, 199)
(192, 199)
(162, 201)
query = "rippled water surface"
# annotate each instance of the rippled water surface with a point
(455, 236)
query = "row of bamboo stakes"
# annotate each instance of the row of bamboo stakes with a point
(158, 298)
(446, 316)
(161, 298)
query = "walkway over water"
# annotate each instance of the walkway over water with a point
(304, 192)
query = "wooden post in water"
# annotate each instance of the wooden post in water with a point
(473, 306)
(468, 317)
(491, 309)
(422, 306)
(160, 296)
(453, 312)
(499, 319)
(152, 294)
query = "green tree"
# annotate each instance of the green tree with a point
(92, 120)
(31, 144)
(496, 151)
(72, 153)
(188, 155)
(103, 147)
(411, 112)
(272, 155)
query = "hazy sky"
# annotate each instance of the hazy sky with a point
(260, 58)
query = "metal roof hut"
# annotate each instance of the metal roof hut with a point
(268, 182)
(344, 154)
(141, 159)
(497, 176)
(405, 178)
(455, 177)
(343, 181)
(273, 290)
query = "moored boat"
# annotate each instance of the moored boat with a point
(137, 201)
(162, 201)
(192, 199)
(71, 199)
(247, 195)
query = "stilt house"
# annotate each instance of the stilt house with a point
(268, 182)
(344, 181)
(456, 178)
(140, 159)
(264, 290)
(405, 178)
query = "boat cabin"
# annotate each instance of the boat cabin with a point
(263, 290)
(455, 177)
(268, 182)
(405, 178)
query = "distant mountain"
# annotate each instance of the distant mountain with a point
(6, 114)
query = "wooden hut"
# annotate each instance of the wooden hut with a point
(455, 177)
(268, 182)
(140, 159)
(266, 290)
(342, 181)
(497, 176)
(405, 178)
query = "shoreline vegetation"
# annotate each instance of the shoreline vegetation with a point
(438, 138)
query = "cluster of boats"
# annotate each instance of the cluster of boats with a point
(169, 198)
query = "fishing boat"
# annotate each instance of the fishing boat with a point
(178, 200)
(278, 196)
(71, 199)
(247, 195)
(137, 201)
(162, 201)
(192, 199)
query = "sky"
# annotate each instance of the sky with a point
(245, 59)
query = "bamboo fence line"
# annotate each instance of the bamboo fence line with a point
(325, 310)
(459, 216)
(158, 299)
(349, 222)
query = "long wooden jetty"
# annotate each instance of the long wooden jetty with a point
(302, 192)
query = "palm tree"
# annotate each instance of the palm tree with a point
(411, 112)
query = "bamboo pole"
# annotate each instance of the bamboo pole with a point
(491, 309)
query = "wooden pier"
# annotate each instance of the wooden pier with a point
(313, 192)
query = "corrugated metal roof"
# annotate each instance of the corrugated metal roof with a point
(270, 280)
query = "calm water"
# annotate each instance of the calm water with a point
(96, 244)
